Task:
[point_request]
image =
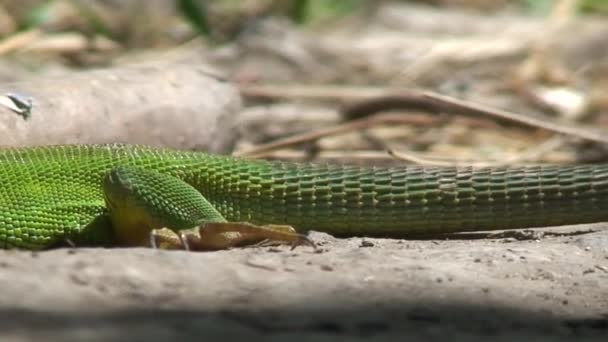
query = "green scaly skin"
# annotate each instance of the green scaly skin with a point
(53, 194)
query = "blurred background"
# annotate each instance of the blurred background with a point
(299, 64)
(442, 82)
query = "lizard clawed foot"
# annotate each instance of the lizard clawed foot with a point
(224, 235)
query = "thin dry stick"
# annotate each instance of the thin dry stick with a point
(461, 107)
(532, 154)
(263, 149)
(415, 158)
(410, 157)
(319, 92)
(350, 155)
(535, 153)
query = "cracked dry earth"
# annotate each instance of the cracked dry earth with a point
(550, 286)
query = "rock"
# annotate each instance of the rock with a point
(175, 103)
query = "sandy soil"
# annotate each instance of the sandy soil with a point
(551, 285)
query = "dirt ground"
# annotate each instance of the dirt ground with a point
(278, 80)
(549, 284)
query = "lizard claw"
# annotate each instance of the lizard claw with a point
(303, 240)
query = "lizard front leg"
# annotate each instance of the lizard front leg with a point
(148, 208)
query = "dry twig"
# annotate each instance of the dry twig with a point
(428, 101)
(462, 107)
(19, 41)
(373, 100)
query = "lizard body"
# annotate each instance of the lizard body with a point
(54, 194)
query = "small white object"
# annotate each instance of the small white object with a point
(18, 103)
(568, 102)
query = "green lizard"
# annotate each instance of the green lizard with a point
(139, 196)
